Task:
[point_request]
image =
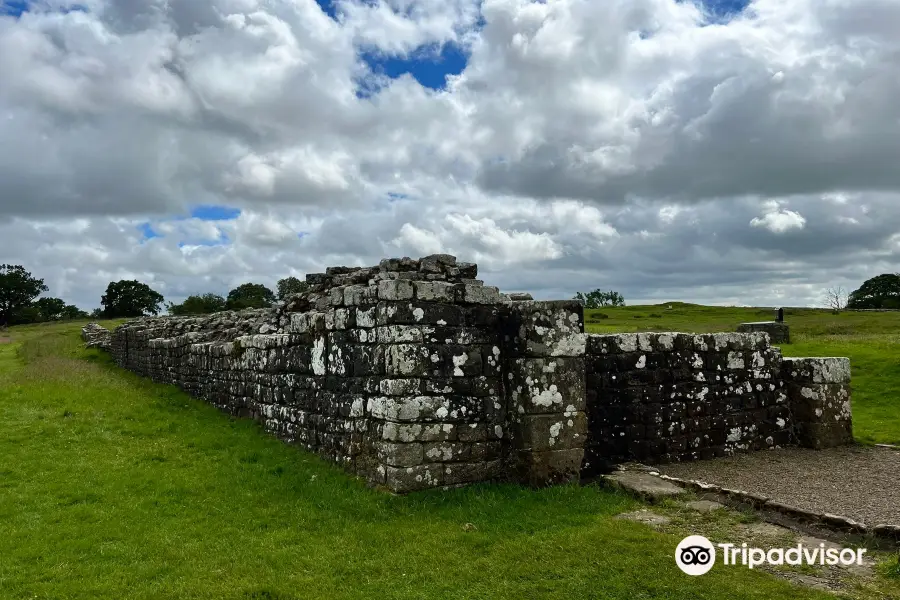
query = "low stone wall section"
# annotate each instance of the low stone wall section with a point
(414, 375)
(670, 397)
(397, 379)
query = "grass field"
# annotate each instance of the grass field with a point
(114, 487)
(871, 340)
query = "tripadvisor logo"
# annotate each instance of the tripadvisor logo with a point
(696, 555)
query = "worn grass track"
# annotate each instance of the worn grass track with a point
(114, 487)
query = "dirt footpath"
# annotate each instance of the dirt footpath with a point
(862, 483)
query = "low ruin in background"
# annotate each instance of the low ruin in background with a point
(414, 374)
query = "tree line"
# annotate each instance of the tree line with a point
(21, 301)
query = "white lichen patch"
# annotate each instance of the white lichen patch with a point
(547, 397)
(458, 362)
(735, 360)
(317, 356)
(554, 432)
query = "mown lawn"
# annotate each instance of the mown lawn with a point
(871, 340)
(114, 487)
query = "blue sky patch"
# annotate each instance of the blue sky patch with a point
(721, 11)
(147, 230)
(17, 7)
(429, 65)
(328, 8)
(212, 212)
(14, 7)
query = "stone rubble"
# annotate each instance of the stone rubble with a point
(95, 335)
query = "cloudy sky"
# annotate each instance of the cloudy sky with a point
(730, 152)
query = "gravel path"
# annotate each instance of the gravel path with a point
(856, 482)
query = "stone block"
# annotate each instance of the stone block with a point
(553, 467)
(820, 436)
(418, 432)
(817, 370)
(477, 294)
(411, 479)
(397, 289)
(400, 455)
(434, 291)
(407, 360)
(779, 333)
(420, 313)
(414, 409)
(546, 385)
(401, 387)
(472, 472)
(550, 432)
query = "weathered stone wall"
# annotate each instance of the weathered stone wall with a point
(819, 389)
(413, 374)
(671, 397)
(392, 371)
(543, 344)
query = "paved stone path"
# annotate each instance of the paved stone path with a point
(861, 483)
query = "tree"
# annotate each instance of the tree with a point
(130, 298)
(18, 288)
(50, 309)
(26, 314)
(597, 299)
(836, 298)
(198, 305)
(73, 312)
(882, 291)
(250, 295)
(290, 286)
(97, 313)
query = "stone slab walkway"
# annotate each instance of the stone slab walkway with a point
(862, 483)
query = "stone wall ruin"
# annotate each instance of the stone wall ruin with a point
(414, 375)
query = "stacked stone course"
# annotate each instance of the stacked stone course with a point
(392, 371)
(671, 397)
(95, 335)
(414, 374)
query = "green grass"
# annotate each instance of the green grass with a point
(114, 487)
(870, 340)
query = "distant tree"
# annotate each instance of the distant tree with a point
(50, 309)
(882, 291)
(18, 288)
(198, 305)
(73, 312)
(97, 313)
(836, 298)
(289, 286)
(130, 298)
(598, 299)
(250, 295)
(26, 314)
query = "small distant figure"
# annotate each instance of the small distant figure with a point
(780, 316)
